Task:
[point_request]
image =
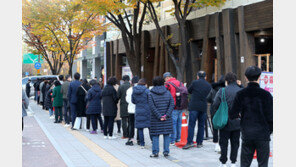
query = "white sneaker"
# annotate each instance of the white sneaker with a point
(142, 147)
(105, 137)
(51, 117)
(217, 147)
(223, 165)
(111, 137)
(233, 165)
(87, 130)
(67, 125)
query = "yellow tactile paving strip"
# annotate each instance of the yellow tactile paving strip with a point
(100, 152)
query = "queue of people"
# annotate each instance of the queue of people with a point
(160, 109)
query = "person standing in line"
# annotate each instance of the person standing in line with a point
(94, 96)
(64, 91)
(48, 99)
(81, 99)
(110, 100)
(72, 97)
(37, 90)
(61, 79)
(57, 102)
(43, 90)
(117, 118)
(123, 104)
(161, 105)
(177, 114)
(25, 105)
(28, 88)
(40, 90)
(131, 111)
(199, 89)
(231, 131)
(254, 106)
(210, 98)
(142, 114)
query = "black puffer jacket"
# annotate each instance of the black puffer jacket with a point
(81, 103)
(230, 93)
(47, 101)
(110, 100)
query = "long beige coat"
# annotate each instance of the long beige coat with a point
(118, 105)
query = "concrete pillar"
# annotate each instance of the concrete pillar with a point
(96, 67)
(84, 69)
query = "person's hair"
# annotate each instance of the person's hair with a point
(125, 78)
(61, 77)
(57, 83)
(76, 76)
(230, 77)
(158, 81)
(201, 74)
(84, 81)
(135, 80)
(93, 82)
(253, 73)
(142, 81)
(112, 81)
(67, 76)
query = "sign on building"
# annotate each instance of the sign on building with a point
(266, 81)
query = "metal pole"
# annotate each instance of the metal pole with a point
(105, 64)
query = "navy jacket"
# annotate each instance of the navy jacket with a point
(161, 103)
(199, 90)
(72, 92)
(255, 105)
(230, 93)
(94, 96)
(140, 99)
(110, 100)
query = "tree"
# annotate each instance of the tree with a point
(128, 17)
(181, 10)
(66, 26)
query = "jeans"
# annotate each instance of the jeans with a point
(234, 143)
(124, 122)
(58, 113)
(50, 112)
(73, 113)
(94, 121)
(66, 112)
(248, 149)
(131, 126)
(177, 123)
(36, 95)
(155, 144)
(201, 117)
(108, 125)
(215, 133)
(141, 136)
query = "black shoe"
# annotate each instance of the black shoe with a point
(154, 155)
(138, 142)
(129, 143)
(73, 128)
(55, 122)
(165, 154)
(199, 145)
(188, 146)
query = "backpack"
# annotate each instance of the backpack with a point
(181, 96)
(220, 118)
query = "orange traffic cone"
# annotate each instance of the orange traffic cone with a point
(184, 132)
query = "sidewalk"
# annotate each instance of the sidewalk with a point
(80, 148)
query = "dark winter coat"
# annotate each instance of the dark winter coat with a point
(199, 89)
(94, 96)
(28, 88)
(81, 102)
(48, 99)
(72, 91)
(121, 93)
(255, 105)
(211, 96)
(230, 93)
(140, 99)
(110, 100)
(161, 103)
(57, 97)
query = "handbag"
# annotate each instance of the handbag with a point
(220, 118)
(77, 123)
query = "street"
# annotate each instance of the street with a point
(47, 144)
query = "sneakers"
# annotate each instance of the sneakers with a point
(105, 137)
(199, 145)
(87, 130)
(223, 165)
(111, 137)
(172, 144)
(154, 155)
(187, 146)
(165, 154)
(67, 125)
(93, 132)
(217, 147)
(56, 122)
(233, 165)
(142, 147)
(129, 143)
(51, 117)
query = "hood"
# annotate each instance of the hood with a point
(139, 89)
(160, 90)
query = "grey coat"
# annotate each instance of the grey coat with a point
(64, 89)
(25, 103)
(41, 94)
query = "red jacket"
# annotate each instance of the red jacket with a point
(171, 88)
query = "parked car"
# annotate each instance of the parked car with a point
(34, 80)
